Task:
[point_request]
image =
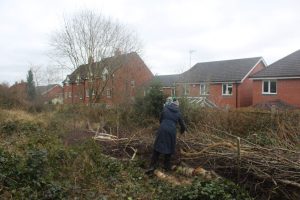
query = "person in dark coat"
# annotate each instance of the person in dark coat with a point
(165, 141)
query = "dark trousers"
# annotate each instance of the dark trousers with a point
(155, 159)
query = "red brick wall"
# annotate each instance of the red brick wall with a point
(246, 87)
(124, 85)
(287, 91)
(74, 91)
(19, 90)
(128, 80)
(167, 91)
(215, 95)
(194, 90)
(243, 91)
(258, 68)
(67, 89)
(55, 92)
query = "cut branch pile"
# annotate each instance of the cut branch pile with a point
(102, 136)
(274, 169)
(270, 172)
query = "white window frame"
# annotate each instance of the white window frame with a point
(173, 91)
(132, 83)
(269, 87)
(77, 80)
(108, 93)
(186, 89)
(87, 93)
(227, 85)
(105, 74)
(67, 81)
(204, 89)
(70, 94)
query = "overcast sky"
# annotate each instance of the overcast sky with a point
(169, 29)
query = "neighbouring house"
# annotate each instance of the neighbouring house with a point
(223, 83)
(52, 93)
(19, 90)
(168, 83)
(111, 81)
(279, 82)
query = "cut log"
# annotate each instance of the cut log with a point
(170, 179)
(199, 171)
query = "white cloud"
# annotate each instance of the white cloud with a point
(216, 29)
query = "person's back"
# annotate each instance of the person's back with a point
(166, 135)
(170, 112)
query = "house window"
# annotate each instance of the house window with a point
(227, 89)
(204, 89)
(108, 93)
(105, 74)
(78, 80)
(66, 95)
(186, 89)
(70, 94)
(269, 87)
(90, 77)
(87, 93)
(132, 83)
(173, 92)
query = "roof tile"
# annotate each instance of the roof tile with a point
(288, 66)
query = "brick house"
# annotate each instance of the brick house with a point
(279, 82)
(220, 83)
(50, 93)
(111, 81)
(168, 83)
(19, 90)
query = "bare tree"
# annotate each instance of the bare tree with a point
(51, 75)
(88, 36)
(37, 73)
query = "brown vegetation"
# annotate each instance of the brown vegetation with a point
(257, 149)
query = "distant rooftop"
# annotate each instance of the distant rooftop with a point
(288, 66)
(43, 89)
(167, 80)
(220, 71)
(113, 62)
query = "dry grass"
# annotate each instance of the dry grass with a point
(20, 115)
(269, 162)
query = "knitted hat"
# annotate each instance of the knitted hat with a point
(169, 100)
(176, 102)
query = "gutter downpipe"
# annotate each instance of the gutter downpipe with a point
(236, 95)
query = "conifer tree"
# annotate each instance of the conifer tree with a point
(30, 86)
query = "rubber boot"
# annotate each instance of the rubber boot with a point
(167, 162)
(154, 163)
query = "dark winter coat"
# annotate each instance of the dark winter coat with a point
(166, 135)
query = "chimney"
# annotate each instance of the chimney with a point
(90, 60)
(117, 52)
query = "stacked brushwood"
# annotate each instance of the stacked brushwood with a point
(271, 172)
(268, 172)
